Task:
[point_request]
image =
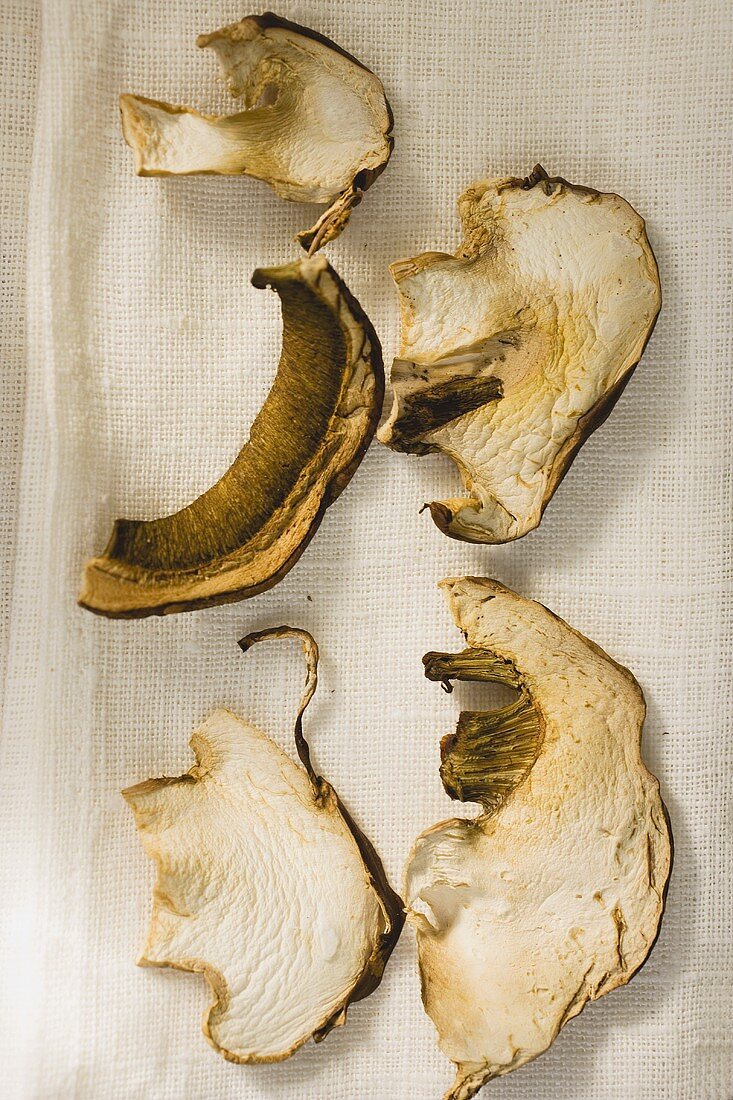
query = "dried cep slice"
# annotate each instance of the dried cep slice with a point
(517, 348)
(244, 534)
(554, 894)
(316, 125)
(264, 885)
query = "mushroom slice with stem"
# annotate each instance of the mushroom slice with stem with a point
(265, 885)
(316, 124)
(515, 349)
(553, 895)
(244, 534)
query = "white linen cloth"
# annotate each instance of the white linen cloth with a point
(145, 357)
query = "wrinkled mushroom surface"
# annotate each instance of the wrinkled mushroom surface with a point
(264, 885)
(244, 534)
(554, 894)
(515, 349)
(316, 125)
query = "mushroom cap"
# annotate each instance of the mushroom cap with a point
(553, 896)
(265, 885)
(315, 124)
(515, 349)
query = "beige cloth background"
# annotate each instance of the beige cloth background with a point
(145, 354)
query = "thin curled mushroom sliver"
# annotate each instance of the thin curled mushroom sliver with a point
(264, 885)
(248, 530)
(316, 125)
(554, 894)
(517, 348)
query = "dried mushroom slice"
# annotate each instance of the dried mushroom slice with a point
(554, 894)
(515, 349)
(264, 885)
(316, 124)
(244, 534)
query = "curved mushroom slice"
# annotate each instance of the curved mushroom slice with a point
(264, 885)
(244, 534)
(316, 125)
(515, 349)
(554, 894)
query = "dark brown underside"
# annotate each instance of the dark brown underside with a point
(163, 606)
(287, 432)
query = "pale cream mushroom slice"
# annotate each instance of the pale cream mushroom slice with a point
(515, 349)
(553, 895)
(264, 885)
(315, 125)
(248, 530)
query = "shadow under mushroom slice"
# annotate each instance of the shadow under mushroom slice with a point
(248, 530)
(515, 349)
(554, 894)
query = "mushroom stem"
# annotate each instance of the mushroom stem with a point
(310, 650)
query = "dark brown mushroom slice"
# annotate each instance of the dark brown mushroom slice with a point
(244, 534)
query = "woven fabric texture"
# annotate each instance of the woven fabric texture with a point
(144, 357)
